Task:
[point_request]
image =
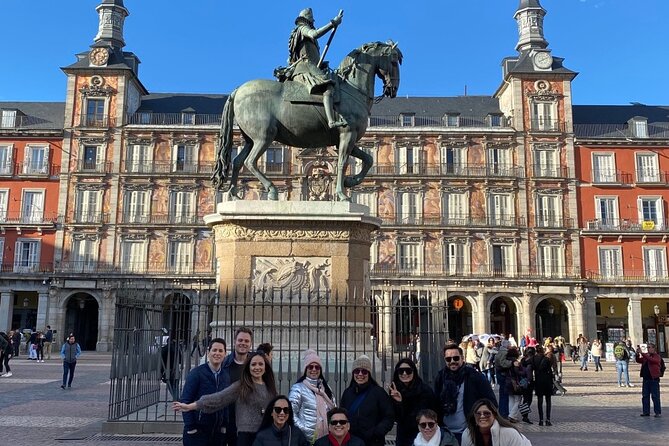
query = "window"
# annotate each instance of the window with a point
(495, 120)
(92, 159)
(454, 258)
(499, 161)
(544, 115)
(647, 170)
(139, 159)
(610, 262)
(639, 127)
(88, 206)
(95, 112)
(133, 255)
(546, 163)
(136, 206)
(183, 158)
(551, 259)
(180, 256)
(452, 120)
(501, 210)
(36, 160)
(7, 119)
(651, 209)
(655, 263)
(410, 208)
(4, 203)
(6, 160)
(409, 159)
(606, 212)
(188, 118)
(456, 208)
(407, 120)
(549, 211)
(26, 257)
(32, 206)
(409, 257)
(603, 168)
(367, 199)
(181, 207)
(356, 163)
(84, 255)
(274, 160)
(503, 260)
(2, 252)
(453, 160)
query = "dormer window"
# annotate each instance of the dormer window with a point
(639, 127)
(452, 120)
(7, 119)
(407, 119)
(188, 116)
(495, 120)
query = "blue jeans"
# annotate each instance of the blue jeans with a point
(598, 362)
(584, 362)
(503, 395)
(621, 367)
(68, 369)
(651, 389)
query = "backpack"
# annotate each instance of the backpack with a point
(620, 351)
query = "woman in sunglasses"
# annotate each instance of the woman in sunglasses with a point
(370, 409)
(429, 432)
(311, 398)
(277, 427)
(485, 427)
(411, 395)
(250, 394)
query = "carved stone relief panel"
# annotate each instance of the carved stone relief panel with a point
(276, 274)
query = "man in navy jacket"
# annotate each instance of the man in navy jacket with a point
(202, 429)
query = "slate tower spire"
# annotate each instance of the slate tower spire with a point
(112, 14)
(530, 18)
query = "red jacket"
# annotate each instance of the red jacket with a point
(653, 361)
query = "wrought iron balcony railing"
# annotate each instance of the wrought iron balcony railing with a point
(23, 267)
(449, 170)
(431, 219)
(550, 172)
(554, 222)
(380, 270)
(610, 176)
(131, 268)
(162, 219)
(629, 276)
(160, 119)
(624, 225)
(165, 167)
(91, 218)
(96, 121)
(450, 121)
(36, 169)
(547, 125)
(652, 177)
(87, 166)
(29, 219)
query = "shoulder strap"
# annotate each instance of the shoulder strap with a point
(358, 401)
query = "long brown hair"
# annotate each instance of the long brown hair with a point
(246, 380)
(474, 431)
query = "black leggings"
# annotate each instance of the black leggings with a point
(540, 406)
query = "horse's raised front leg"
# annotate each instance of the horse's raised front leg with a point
(237, 164)
(345, 146)
(259, 147)
(367, 160)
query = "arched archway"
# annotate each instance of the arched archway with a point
(81, 318)
(407, 319)
(503, 316)
(460, 321)
(551, 319)
(177, 316)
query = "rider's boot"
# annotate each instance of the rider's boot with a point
(330, 113)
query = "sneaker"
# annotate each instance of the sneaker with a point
(62, 387)
(630, 385)
(645, 415)
(541, 423)
(527, 420)
(548, 423)
(621, 385)
(7, 375)
(658, 415)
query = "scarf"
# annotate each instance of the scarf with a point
(451, 389)
(323, 404)
(436, 438)
(334, 442)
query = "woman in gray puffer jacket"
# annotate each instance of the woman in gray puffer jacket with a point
(311, 398)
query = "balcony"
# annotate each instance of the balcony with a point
(173, 119)
(94, 167)
(132, 268)
(547, 125)
(34, 220)
(550, 172)
(36, 170)
(162, 219)
(652, 178)
(26, 268)
(165, 167)
(451, 122)
(96, 218)
(430, 219)
(628, 276)
(473, 272)
(610, 177)
(554, 223)
(624, 225)
(96, 121)
(449, 170)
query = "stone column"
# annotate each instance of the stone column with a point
(105, 320)
(527, 319)
(386, 328)
(635, 320)
(482, 319)
(42, 310)
(581, 306)
(6, 306)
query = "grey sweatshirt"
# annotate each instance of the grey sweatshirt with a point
(248, 412)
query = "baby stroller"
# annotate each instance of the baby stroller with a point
(558, 388)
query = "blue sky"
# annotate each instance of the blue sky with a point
(212, 46)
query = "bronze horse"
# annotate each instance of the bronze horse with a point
(264, 115)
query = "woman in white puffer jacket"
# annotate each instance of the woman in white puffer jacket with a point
(311, 398)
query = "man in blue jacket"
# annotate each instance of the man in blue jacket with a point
(201, 429)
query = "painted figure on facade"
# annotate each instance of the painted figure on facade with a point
(298, 111)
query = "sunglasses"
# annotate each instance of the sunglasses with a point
(338, 422)
(483, 414)
(452, 358)
(364, 372)
(404, 371)
(313, 367)
(427, 425)
(278, 410)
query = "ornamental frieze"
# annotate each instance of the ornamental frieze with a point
(232, 231)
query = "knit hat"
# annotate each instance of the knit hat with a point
(310, 357)
(363, 362)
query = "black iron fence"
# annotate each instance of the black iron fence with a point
(162, 331)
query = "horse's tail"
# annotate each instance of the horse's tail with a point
(224, 143)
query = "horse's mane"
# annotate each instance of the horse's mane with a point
(347, 64)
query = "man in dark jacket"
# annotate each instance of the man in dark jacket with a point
(202, 429)
(651, 364)
(459, 387)
(339, 427)
(69, 352)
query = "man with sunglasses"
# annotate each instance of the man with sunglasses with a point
(339, 430)
(459, 387)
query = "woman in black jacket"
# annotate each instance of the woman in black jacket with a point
(411, 395)
(277, 427)
(370, 409)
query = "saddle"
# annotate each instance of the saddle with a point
(297, 92)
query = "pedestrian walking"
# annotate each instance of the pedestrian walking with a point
(543, 383)
(622, 356)
(69, 352)
(651, 371)
(48, 340)
(596, 350)
(6, 351)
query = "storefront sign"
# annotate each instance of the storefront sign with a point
(458, 304)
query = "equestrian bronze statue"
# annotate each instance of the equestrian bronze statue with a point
(296, 111)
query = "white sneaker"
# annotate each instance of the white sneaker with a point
(7, 375)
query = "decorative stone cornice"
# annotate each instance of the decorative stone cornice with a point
(140, 141)
(454, 189)
(503, 239)
(93, 141)
(90, 186)
(411, 238)
(184, 187)
(546, 145)
(288, 231)
(181, 237)
(416, 188)
(138, 186)
(134, 236)
(92, 236)
(97, 90)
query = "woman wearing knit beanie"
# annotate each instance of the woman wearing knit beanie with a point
(370, 408)
(311, 398)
